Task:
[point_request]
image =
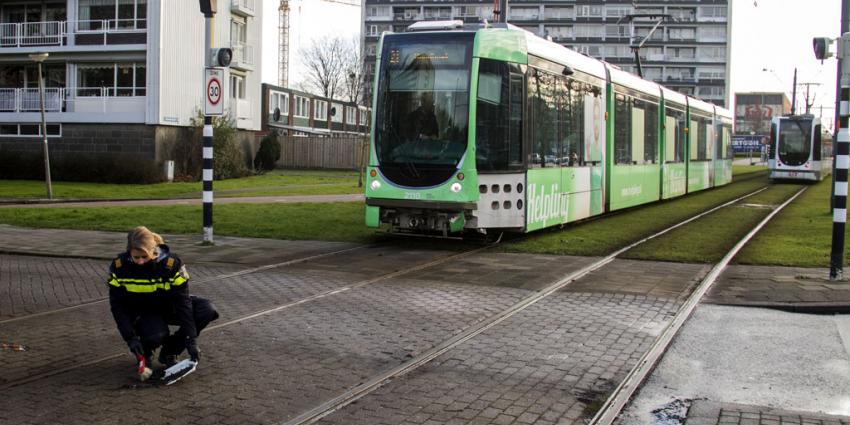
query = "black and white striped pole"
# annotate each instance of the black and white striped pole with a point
(842, 163)
(214, 61)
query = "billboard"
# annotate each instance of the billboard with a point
(753, 111)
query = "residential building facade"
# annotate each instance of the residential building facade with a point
(122, 76)
(689, 52)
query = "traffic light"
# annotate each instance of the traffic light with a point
(208, 7)
(821, 46)
(221, 56)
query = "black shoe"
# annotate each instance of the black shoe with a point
(167, 360)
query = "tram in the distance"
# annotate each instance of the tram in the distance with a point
(797, 150)
(491, 128)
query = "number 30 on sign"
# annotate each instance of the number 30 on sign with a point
(213, 91)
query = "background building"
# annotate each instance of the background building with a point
(688, 53)
(753, 112)
(122, 76)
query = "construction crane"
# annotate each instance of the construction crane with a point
(283, 44)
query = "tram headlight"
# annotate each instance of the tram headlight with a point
(456, 187)
(376, 185)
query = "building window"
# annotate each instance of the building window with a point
(102, 15)
(712, 33)
(351, 115)
(552, 12)
(279, 100)
(589, 11)
(336, 112)
(29, 130)
(363, 117)
(321, 112)
(616, 31)
(525, 13)
(588, 31)
(617, 11)
(237, 87)
(559, 32)
(111, 79)
(302, 107)
(712, 12)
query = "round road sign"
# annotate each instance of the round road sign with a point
(214, 91)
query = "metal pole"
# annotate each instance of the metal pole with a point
(794, 94)
(842, 163)
(208, 144)
(44, 136)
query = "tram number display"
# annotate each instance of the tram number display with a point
(213, 91)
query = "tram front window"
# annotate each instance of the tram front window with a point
(423, 107)
(795, 141)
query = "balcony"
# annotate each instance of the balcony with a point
(28, 100)
(242, 7)
(64, 33)
(243, 56)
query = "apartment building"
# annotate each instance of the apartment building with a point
(688, 52)
(122, 76)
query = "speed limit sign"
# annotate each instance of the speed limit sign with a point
(214, 92)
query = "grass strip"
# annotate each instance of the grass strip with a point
(274, 183)
(300, 221)
(708, 239)
(603, 235)
(799, 236)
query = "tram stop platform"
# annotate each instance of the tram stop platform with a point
(782, 342)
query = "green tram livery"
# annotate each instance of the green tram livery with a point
(491, 128)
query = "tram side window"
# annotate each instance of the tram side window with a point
(727, 141)
(622, 129)
(701, 153)
(544, 116)
(499, 111)
(719, 146)
(572, 131)
(674, 129)
(650, 128)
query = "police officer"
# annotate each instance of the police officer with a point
(148, 290)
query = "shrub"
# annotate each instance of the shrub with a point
(269, 152)
(227, 159)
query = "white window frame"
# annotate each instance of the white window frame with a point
(321, 110)
(279, 100)
(302, 107)
(237, 87)
(38, 125)
(351, 115)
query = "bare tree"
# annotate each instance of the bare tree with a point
(354, 71)
(324, 60)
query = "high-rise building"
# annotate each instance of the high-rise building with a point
(688, 52)
(122, 76)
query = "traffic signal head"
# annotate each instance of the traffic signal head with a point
(208, 7)
(821, 46)
(221, 56)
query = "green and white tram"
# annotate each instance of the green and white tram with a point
(491, 128)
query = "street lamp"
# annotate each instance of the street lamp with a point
(39, 58)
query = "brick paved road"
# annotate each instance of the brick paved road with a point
(547, 363)
(554, 362)
(327, 345)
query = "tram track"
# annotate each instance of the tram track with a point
(425, 357)
(258, 313)
(370, 385)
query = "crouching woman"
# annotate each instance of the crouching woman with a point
(149, 290)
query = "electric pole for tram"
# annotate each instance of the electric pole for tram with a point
(214, 62)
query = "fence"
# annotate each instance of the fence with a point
(322, 152)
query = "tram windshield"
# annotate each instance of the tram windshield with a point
(795, 144)
(422, 111)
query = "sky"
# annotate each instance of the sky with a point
(777, 35)
(769, 39)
